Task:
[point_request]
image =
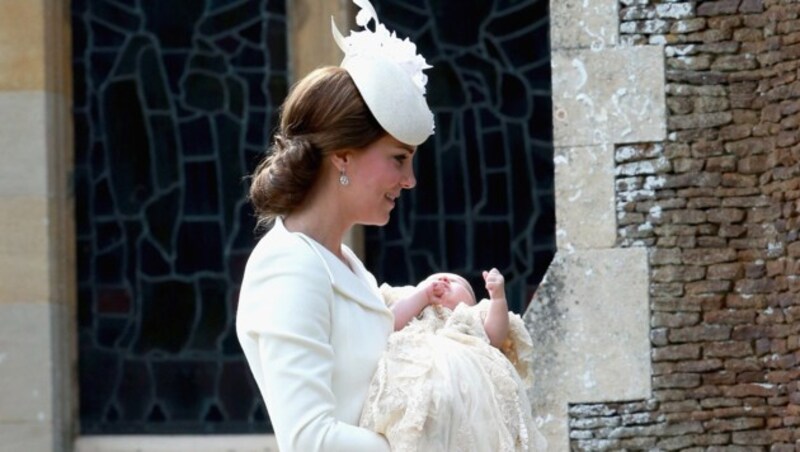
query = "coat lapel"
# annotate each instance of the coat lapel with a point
(358, 284)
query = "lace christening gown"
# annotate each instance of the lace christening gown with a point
(440, 385)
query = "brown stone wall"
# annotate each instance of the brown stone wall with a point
(718, 207)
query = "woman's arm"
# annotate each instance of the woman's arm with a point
(284, 325)
(496, 323)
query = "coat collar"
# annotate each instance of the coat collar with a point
(357, 284)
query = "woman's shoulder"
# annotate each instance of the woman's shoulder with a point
(281, 250)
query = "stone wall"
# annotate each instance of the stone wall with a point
(717, 205)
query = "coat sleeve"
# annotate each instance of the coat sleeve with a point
(285, 316)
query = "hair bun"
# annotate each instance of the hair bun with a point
(282, 180)
(293, 153)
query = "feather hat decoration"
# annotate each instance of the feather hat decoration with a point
(388, 73)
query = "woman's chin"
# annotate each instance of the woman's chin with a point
(377, 221)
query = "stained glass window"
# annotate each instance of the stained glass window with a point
(484, 195)
(174, 103)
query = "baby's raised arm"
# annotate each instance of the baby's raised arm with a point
(496, 323)
(426, 293)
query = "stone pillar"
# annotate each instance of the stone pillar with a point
(37, 277)
(590, 317)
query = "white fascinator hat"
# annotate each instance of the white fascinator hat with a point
(388, 73)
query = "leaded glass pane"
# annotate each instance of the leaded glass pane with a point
(484, 195)
(174, 101)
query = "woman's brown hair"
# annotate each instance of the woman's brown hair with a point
(323, 113)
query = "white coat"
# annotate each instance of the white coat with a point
(312, 331)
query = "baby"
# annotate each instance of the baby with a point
(448, 290)
(455, 373)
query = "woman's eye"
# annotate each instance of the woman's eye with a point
(400, 158)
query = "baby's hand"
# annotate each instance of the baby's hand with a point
(435, 290)
(495, 284)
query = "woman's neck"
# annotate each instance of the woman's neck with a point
(322, 222)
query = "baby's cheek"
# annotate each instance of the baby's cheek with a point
(450, 302)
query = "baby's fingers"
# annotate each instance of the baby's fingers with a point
(492, 275)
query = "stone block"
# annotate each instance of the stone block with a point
(26, 364)
(674, 319)
(751, 6)
(700, 120)
(700, 333)
(23, 140)
(34, 436)
(22, 45)
(708, 256)
(727, 349)
(675, 10)
(730, 317)
(24, 249)
(608, 96)
(598, 294)
(584, 184)
(700, 365)
(684, 381)
(581, 24)
(676, 352)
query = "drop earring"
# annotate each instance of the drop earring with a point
(343, 179)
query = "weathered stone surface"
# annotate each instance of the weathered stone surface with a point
(579, 24)
(607, 300)
(584, 185)
(590, 112)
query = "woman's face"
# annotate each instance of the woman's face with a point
(377, 176)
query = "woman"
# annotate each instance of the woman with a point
(310, 319)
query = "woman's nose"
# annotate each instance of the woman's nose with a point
(409, 181)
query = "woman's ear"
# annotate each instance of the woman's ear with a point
(340, 159)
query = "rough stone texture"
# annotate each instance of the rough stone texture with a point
(720, 219)
(615, 95)
(581, 24)
(584, 183)
(589, 321)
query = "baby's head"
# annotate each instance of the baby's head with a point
(458, 290)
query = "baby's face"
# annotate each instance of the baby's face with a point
(457, 291)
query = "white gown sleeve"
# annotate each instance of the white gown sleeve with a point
(285, 315)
